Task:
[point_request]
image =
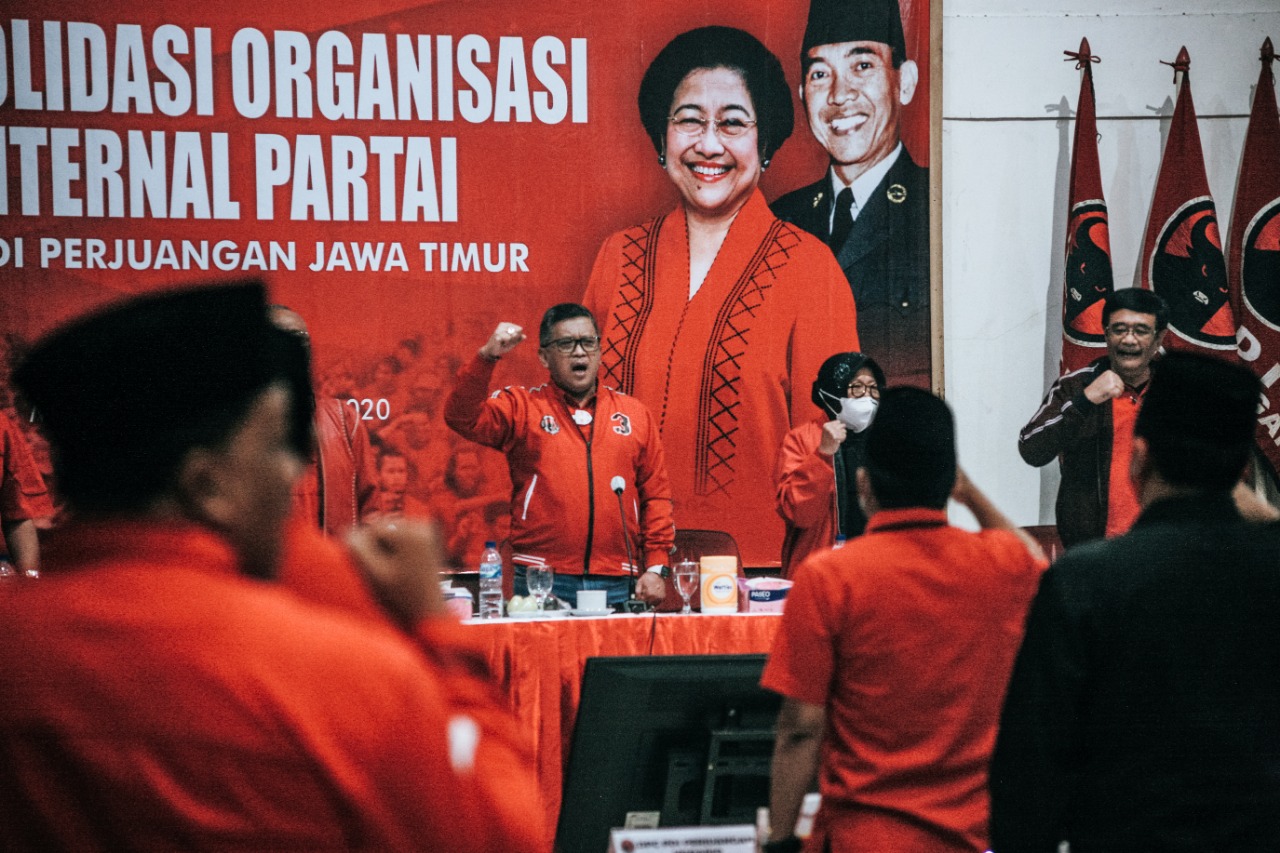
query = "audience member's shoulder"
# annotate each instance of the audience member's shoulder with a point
(1268, 533)
(1113, 569)
(317, 569)
(820, 566)
(336, 645)
(1087, 558)
(1011, 547)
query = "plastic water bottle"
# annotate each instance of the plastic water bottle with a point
(490, 582)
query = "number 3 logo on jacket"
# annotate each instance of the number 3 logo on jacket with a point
(622, 425)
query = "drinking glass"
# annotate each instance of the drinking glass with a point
(539, 581)
(686, 582)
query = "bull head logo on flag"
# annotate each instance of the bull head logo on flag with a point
(1182, 253)
(1260, 265)
(1188, 270)
(1255, 253)
(1087, 280)
(1088, 274)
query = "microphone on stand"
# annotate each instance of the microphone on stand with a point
(633, 604)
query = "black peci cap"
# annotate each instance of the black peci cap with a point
(123, 392)
(834, 21)
(911, 449)
(1198, 417)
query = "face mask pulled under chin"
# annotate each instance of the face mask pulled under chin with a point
(857, 412)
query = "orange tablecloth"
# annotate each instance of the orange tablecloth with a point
(539, 664)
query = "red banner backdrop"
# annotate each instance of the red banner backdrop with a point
(1088, 278)
(404, 174)
(1182, 250)
(1255, 252)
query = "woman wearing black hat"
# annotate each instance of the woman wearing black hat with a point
(816, 464)
(716, 313)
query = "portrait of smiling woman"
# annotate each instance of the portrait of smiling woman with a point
(717, 315)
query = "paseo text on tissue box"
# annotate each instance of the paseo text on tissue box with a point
(763, 595)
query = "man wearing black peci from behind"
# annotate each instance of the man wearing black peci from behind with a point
(1141, 714)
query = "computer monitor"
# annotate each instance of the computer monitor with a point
(683, 738)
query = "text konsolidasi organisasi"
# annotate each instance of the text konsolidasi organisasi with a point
(170, 72)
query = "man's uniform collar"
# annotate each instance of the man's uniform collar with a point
(865, 184)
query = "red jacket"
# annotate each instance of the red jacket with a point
(339, 490)
(806, 494)
(563, 513)
(158, 699)
(22, 489)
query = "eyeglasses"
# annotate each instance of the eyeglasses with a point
(857, 390)
(568, 345)
(1120, 331)
(726, 128)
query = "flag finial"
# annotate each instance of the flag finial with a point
(1268, 52)
(1181, 65)
(1082, 56)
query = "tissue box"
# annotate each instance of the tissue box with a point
(762, 595)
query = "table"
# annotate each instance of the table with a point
(538, 664)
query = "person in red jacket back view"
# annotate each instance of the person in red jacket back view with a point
(570, 444)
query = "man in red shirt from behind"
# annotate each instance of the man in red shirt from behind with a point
(894, 652)
(162, 690)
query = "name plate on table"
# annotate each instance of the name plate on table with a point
(735, 838)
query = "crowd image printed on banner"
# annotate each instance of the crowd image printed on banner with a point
(403, 175)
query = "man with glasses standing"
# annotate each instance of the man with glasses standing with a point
(1087, 418)
(569, 444)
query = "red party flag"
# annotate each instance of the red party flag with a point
(1255, 253)
(1087, 277)
(1182, 256)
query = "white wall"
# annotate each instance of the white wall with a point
(1008, 97)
